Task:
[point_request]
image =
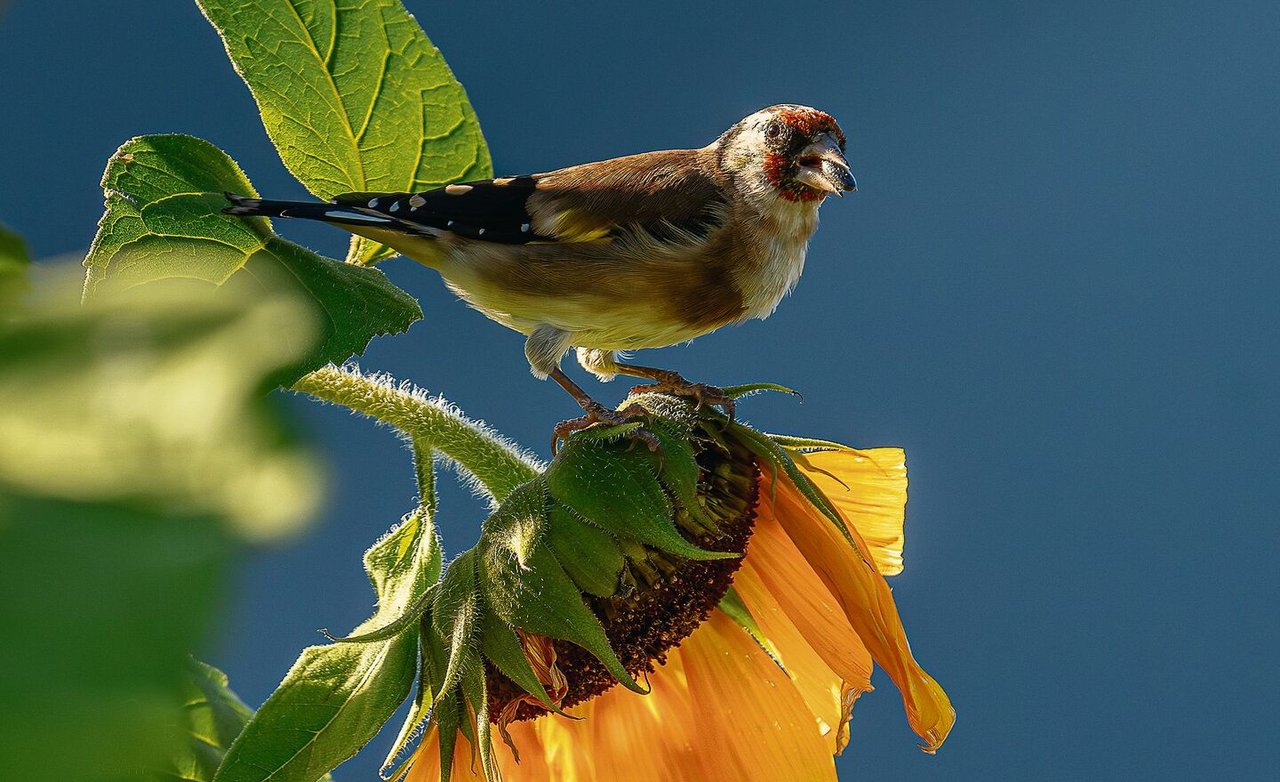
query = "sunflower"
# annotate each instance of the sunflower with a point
(754, 631)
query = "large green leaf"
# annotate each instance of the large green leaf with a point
(132, 433)
(164, 220)
(353, 95)
(335, 698)
(100, 604)
(154, 396)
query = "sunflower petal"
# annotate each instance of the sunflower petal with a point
(869, 489)
(753, 723)
(824, 692)
(868, 605)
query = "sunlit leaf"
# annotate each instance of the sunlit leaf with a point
(353, 95)
(164, 220)
(336, 697)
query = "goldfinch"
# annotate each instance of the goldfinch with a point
(642, 251)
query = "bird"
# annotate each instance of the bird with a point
(635, 252)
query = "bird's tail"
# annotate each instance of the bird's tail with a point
(342, 214)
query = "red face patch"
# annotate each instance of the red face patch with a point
(811, 122)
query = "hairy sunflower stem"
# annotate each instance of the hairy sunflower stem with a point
(431, 424)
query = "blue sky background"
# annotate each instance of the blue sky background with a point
(1056, 288)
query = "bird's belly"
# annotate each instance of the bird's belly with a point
(632, 322)
(608, 303)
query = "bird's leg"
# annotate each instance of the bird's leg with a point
(666, 381)
(596, 413)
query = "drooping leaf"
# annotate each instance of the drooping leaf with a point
(502, 648)
(163, 220)
(336, 697)
(526, 586)
(353, 95)
(733, 607)
(592, 557)
(454, 613)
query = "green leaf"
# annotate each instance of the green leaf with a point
(617, 489)
(680, 470)
(164, 220)
(750, 389)
(353, 95)
(777, 456)
(14, 261)
(214, 716)
(100, 604)
(335, 698)
(807, 443)
(154, 396)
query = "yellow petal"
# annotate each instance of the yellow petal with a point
(753, 723)
(776, 562)
(622, 736)
(824, 692)
(869, 489)
(865, 598)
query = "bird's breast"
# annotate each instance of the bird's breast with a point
(779, 243)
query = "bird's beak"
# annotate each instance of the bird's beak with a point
(824, 167)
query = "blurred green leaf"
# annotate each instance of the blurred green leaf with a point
(335, 698)
(100, 604)
(164, 220)
(353, 95)
(134, 449)
(154, 396)
(14, 261)
(214, 716)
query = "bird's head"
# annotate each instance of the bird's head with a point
(795, 152)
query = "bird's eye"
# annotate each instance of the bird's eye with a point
(773, 131)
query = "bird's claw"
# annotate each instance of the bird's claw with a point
(701, 393)
(596, 413)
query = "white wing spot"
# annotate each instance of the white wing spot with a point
(373, 203)
(395, 206)
(525, 228)
(458, 189)
(481, 233)
(417, 202)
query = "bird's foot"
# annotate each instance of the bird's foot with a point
(597, 413)
(702, 394)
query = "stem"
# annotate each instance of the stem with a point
(497, 464)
